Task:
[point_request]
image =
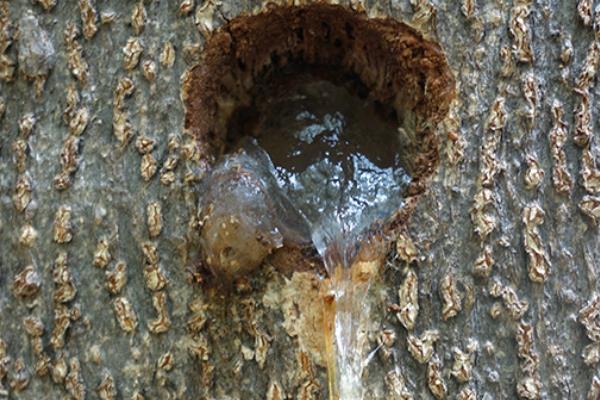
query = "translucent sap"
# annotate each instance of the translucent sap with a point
(335, 161)
(336, 158)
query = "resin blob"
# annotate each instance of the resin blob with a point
(316, 163)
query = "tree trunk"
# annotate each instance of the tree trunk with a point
(100, 293)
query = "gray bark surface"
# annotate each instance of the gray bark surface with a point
(524, 323)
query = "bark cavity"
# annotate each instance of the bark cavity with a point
(255, 58)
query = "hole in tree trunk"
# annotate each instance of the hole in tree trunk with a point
(317, 125)
(374, 87)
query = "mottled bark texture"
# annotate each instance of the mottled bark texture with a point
(491, 291)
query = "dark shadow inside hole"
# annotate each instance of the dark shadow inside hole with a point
(289, 102)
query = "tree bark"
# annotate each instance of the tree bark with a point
(99, 288)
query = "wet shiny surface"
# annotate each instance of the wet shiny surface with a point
(331, 169)
(336, 158)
